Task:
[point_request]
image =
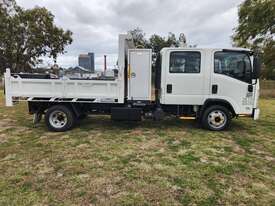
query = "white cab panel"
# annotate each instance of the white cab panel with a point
(231, 89)
(235, 92)
(184, 73)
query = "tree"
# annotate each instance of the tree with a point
(256, 31)
(27, 35)
(139, 38)
(155, 42)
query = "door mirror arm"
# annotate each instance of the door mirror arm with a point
(256, 67)
(255, 82)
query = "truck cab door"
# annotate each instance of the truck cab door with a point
(184, 77)
(232, 80)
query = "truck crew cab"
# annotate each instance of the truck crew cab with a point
(210, 85)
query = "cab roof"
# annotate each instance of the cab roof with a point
(205, 49)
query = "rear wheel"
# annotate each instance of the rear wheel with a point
(216, 118)
(59, 118)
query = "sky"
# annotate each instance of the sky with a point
(96, 23)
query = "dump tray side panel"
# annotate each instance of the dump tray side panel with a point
(98, 91)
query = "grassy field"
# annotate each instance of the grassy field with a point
(148, 163)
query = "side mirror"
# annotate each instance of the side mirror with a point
(256, 67)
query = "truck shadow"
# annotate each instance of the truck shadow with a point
(105, 123)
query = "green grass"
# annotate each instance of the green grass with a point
(101, 162)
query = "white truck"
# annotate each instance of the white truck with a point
(209, 85)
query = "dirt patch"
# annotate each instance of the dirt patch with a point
(3, 138)
(6, 124)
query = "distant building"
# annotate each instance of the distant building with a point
(87, 61)
(76, 72)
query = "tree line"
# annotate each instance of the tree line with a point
(256, 30)
(27, 35)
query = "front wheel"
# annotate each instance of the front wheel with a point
(216, 118)
(59, 118)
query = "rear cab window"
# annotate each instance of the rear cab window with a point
(185, 62)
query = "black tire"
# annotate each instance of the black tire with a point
(54, 116)
(216, 118)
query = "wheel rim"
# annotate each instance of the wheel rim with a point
(217, 119)
(58, 119)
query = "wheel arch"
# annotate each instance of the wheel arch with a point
(41, 107)
(221, 102)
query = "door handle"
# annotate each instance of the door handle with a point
(214, 89)
(250, 88)
(169, 88)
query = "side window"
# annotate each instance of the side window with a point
(185, 62)
(233, 64)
